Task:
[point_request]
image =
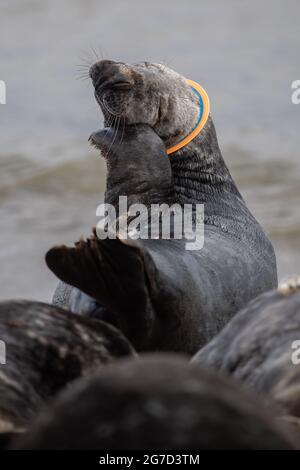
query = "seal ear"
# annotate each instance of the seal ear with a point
(118, 275)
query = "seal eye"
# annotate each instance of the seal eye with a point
(121, 85)
(113, 85)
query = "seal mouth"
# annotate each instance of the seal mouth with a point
(109, 94)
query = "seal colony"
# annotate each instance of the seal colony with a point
(180, 300)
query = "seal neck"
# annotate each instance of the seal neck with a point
(199, 171)
(204, 108)
(145, 196)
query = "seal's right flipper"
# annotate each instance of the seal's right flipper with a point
(118, 274)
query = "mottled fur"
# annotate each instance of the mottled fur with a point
(159, 402)
(46, 349)
(256, 347)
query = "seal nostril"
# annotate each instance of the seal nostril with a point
(95, 74)
(100, 67)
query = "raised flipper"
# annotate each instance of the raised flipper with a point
(116, 273)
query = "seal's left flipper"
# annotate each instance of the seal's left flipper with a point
(119, 274)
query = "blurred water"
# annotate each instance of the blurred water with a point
(245, 55)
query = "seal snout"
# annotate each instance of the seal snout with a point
(107, 74)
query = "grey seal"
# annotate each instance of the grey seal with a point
(259, 347)
(162, 296)
(46, 349)
(158, 402)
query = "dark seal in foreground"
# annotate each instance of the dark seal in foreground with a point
(156, 403)
(259, 347)
(161, 295)
(46, 349)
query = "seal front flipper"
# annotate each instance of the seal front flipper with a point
(119, 275)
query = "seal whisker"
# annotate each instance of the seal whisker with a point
(112, 127)
(123, 129)
(82, 74)
(167, 63)
(110, 113)
(83, 70)
(109, 110)
(95, 53)
(86, 58)
(82, 78)
(122, 134)
(118, 119)
(100, 50)
(110, 120)
(84, 65)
